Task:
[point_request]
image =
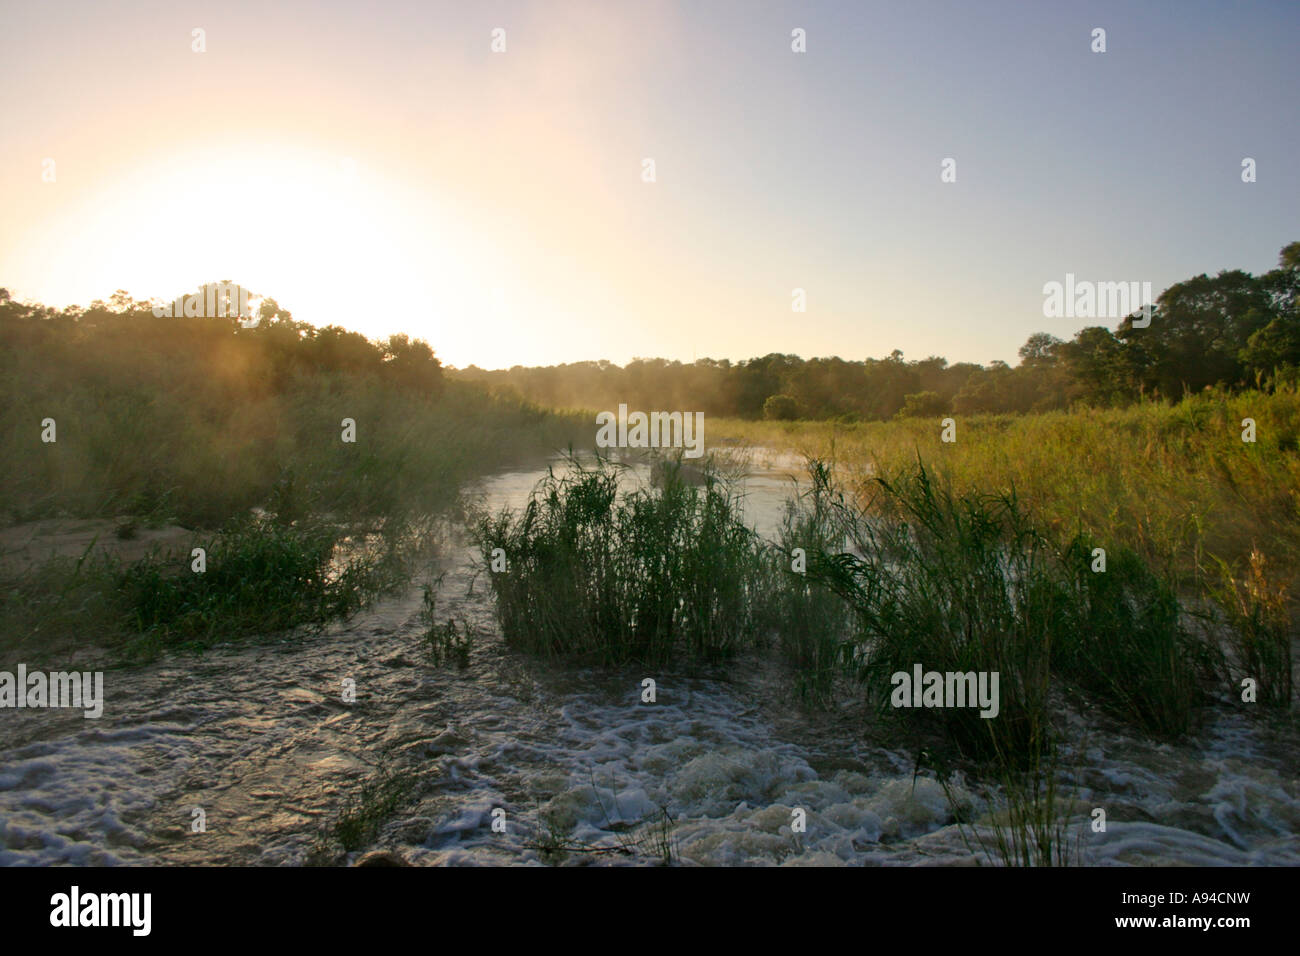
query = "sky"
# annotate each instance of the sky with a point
(379, 166)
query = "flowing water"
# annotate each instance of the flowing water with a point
(259, 738)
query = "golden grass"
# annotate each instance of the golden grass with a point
(1174, 482)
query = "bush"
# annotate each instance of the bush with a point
(261, 577)
(780, 408)
(923, 405)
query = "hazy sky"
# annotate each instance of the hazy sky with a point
(378, 166)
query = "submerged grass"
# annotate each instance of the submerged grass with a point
(1028, 823)
(362, 814)
(653, 840)
(444, 643)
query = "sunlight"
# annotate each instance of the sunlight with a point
(323, 234)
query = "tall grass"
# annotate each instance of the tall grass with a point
(1171, 488)
(1125, 643)
(198, 423)
(967, 581)
(814, 626)
(52, 607)
(1174, 483)
(1253, 611)
(953, 583)
(197, 420)
(151, 450)
(917, 573)
(262, 577)
(643, 575)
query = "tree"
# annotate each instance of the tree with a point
(1040, 349)
(1274, 347)
(1289, 258)
(1097, 367)
(411, 363)
(1197, 332)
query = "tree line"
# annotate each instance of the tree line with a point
(1234, 330)
(124, 336)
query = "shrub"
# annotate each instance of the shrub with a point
(780, 408)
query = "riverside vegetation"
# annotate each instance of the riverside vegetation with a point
(233, 436)
(905, 566)
(976, 555)
(958, 579)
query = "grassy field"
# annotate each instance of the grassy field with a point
(1174, 483)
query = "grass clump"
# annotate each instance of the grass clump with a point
(644, 575)
(968, 582)
(813, 624)
(1028, 823)
(1123, 642)
(262, 576)
(51, 606)
(1255, 612)
(652, 840)
(446, 643)
(955, 583)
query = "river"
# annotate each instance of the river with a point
(259, 738)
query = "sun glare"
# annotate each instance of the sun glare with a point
(323, 234)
